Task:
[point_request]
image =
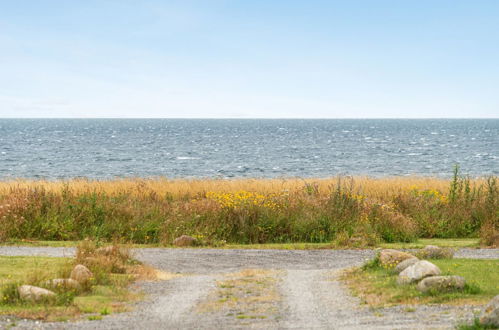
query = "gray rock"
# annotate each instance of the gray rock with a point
(490, 314)
(111, 250)
(390, 258)
(34, 294)
(81, 274)
(436, 252)
(418, 271)
(185, 240)
(441, 283)
(404, 264)
(106, 250)
(63, 283)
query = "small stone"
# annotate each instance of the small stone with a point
(418, 271)
(391, 258)
(441, 283)
(81, 274)
(404, 264)
(34, 293)
(490, 314)
(112, 250)
(106, 250)
(185, 240)
(63, 283)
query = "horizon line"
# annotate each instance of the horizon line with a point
(263, 118)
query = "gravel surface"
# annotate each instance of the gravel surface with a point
(311, 297)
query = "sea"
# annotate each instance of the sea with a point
(246, 148)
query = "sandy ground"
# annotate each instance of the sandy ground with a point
(306, 293)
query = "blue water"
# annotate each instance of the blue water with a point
(108, 148)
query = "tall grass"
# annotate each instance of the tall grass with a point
(250, 210)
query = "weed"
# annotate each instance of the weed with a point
(94, 317)
(475, 325)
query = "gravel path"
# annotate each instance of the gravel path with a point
(303, 310)
(311, 297)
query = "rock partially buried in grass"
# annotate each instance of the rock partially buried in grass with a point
(436, 252)
(63, 283)
(391, 258)
(112, 250)
(418, 271)
(81, 274)
(106, 250)
(185, 240)
(490, 314)
(404, 264)
(441, 283)
(34, 294)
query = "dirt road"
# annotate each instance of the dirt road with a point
(286, 289)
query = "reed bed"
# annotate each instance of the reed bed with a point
(356, 211)
(380, 188)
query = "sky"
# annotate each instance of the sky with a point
(249, 59)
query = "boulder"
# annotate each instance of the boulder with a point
(490, 314)
(63, 283)
(34, 294)
(418, 271)
(390, 258)
(441, 283)
(436, 252)
(404, 264)
(81, 274)
(185, 240)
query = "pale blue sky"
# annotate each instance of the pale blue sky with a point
(277, 59)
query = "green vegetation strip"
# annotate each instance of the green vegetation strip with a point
(420, 243)
(354, 212)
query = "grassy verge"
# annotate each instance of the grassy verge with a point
(442, 242)
(377, 286)
(420, 243)
(107, 292)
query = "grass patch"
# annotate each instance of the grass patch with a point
(475, 325)
(377, 286)
(113, 270)
(442, 242)
(248, 294)
(15, 268)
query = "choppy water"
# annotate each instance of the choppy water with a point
(107, 148)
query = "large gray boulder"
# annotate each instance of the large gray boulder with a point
(441, 283)
(490, 314)
(34, 294)
(418, 271)
(185, 240)
(390, 258)
(404, 264)
(63, 283)
(81, 274)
